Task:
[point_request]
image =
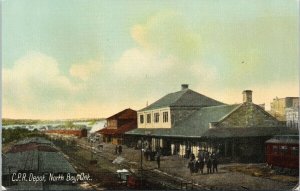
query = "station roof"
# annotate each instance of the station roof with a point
(203, 123)
(183, 98)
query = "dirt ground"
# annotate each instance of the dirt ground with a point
(233, 176)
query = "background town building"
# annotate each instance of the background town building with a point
(292, 117)
(279, 106)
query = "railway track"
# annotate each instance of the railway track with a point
(155, 176)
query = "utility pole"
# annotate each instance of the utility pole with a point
(142, 145)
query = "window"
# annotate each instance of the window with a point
(141, 118)
(275, 149)
(156, 117)
(283, 149)
(148, 118)
(295, 151)
(165, 117)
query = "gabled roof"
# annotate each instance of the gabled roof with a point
(183, 98)
(193, 126)
(197, 125)
(125, 114)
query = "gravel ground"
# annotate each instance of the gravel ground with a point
(224, 179)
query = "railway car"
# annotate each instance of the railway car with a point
(283, 152)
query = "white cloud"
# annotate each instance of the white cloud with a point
(35, 85)
(163, 41)
(137, 63)
(166, 33)
(85, 71)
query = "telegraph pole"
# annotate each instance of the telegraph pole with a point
(142, 161)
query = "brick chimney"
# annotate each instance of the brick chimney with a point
(184, 86)
(247, 96)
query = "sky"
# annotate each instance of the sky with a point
(90, 58)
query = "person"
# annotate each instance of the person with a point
(215, 164)
(208, 165)
(158, 159)
(197, 166)
(191, 166)
(188, 152)
(116, 149)
(201, 165)
(193, 156)
(120, 149)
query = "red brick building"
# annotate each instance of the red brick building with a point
(118, 124)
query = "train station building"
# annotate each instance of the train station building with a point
(189, 122)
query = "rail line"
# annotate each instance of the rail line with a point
(156, 176)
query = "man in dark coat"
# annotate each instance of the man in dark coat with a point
(197, 166)
(191, 166)
(192, 156)
(120, 149)
(208, 165)
(215, 164)
(158, 159)
(201, 165)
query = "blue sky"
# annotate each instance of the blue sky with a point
(88, 58)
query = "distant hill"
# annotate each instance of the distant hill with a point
(7, 121)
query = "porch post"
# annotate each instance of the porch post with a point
(225, 145)
(232, 148)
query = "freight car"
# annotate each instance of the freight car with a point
(283, 152)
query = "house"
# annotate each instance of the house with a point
(233, 131)
(279, 105)
(117, 125)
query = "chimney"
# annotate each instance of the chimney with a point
(247, 96)
(184, 86)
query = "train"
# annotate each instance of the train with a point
(282, 151)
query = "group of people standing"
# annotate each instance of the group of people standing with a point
(210, 160)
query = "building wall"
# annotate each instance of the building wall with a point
(292, 117)
(153, 124)
(112, 124)
(249, 115)
(279, 105)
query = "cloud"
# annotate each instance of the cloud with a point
(164, 45)
(86, 71)
(138, 63)
(166, 33)
(35, 85)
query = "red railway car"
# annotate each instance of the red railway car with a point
(283, 151)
